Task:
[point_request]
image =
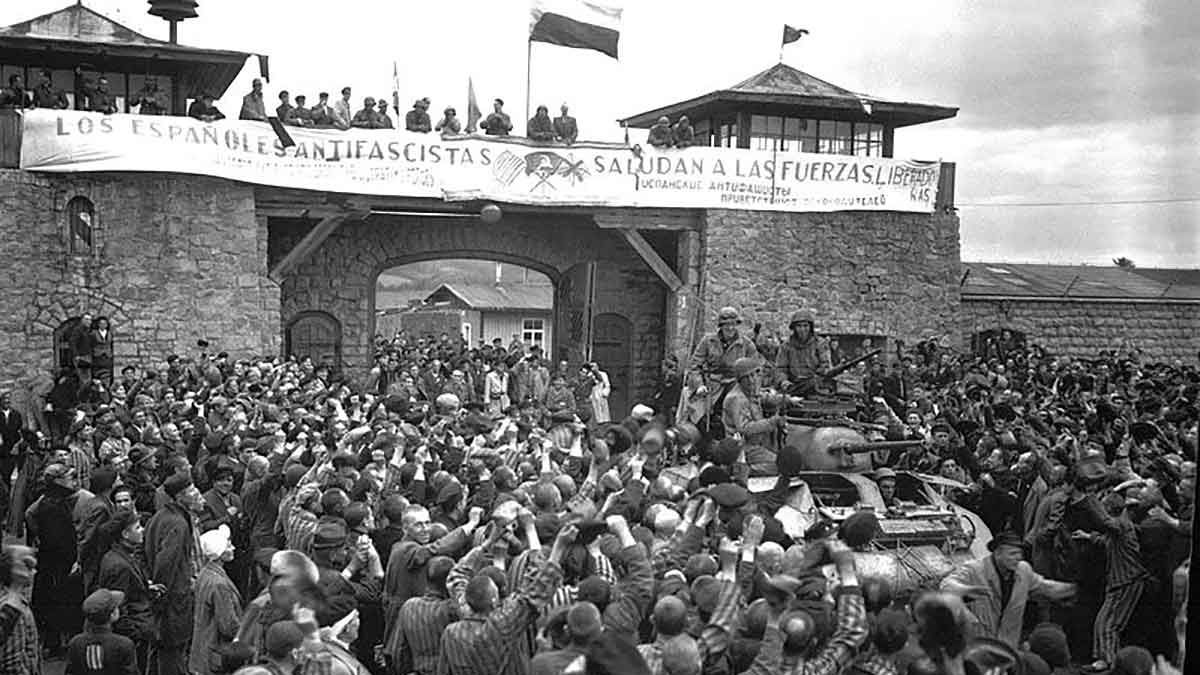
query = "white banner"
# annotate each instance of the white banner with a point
(514, 170)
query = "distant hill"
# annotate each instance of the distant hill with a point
(399, 286)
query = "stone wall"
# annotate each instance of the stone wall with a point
(1082, 328)
(892, 274)
(340, 276)
(174, 259)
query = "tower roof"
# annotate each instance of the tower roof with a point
(75, 34)
(782, 89)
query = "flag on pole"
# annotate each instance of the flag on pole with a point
(395, 88)
(264, 67)
(790, 34)
(473, 112)
(584, 24)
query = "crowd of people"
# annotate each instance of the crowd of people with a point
(464, 510)
(92, 94)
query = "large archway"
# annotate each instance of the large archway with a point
(478, 300)
(591, 269)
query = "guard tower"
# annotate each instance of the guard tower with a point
(784, 109)
(76, 42)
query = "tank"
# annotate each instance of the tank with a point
(917, 544)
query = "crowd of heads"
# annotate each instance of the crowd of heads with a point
(287, 468)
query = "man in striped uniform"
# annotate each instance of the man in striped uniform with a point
(98, 650)
(1125, 577)
(487, 641)
(20, 648)
(413, 644)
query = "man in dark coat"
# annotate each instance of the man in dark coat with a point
(498, 122)
(10, 434)
(565, 128)
(121, 569)
(171, 557)
(56, 592)
(541, 127)
(406, 565)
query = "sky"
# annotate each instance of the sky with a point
(1077, 105)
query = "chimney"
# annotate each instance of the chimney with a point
(499, 272)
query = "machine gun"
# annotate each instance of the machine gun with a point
(847, 365)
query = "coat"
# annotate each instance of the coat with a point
(121, 571)
(216, 619)
(171, 550)
(988, 618)
(743, 415)
(599, 399)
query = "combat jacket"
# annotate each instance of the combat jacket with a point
(712, 362)
(799, 361)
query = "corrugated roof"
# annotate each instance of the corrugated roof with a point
(1079, 281)
(498, 298)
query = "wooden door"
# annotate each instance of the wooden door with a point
(612, 349)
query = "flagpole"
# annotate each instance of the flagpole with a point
(528, 75)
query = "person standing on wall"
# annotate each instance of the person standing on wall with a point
(101, 346)
(601, 388)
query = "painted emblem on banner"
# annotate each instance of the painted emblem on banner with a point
(545, 166)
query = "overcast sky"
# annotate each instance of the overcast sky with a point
(1073, 102)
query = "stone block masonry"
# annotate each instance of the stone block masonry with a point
(1079, 327)
(173, 259)
(861, 273)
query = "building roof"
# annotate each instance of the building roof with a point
(489, 297)
(74, 34)
(1020, 280)
(782, 89)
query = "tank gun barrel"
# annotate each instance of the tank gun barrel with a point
(863, 448)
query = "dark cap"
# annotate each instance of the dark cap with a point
(729, 495)
(175, 484)
(1005, 539)
(101, 603)
(713, 475)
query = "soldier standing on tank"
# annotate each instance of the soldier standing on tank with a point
(742, 414)
(801, 359)
(710, 371)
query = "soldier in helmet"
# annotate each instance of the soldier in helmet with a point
(741, 412)
(711, 372)
(801, 359)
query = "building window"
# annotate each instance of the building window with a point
(791, 134)
(533, 332)
(466, 333)
(727, 134)
(81, 221)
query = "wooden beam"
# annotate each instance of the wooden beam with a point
(307, 245)
(655, 261)
(647, 219)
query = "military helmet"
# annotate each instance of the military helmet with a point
(801, 316)
(744, 366)
(728, 315)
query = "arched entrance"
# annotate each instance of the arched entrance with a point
(476, 300)
(591, 269)
(64, 335)
(612, 349)
(317, 335)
